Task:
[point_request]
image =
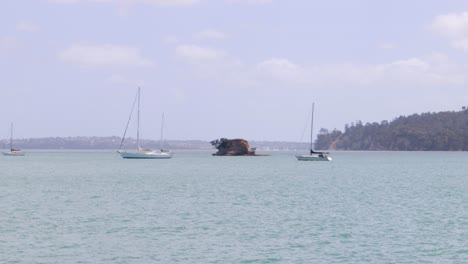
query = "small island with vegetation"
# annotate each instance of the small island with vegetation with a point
(232, 147)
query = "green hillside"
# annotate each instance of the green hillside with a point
(427, 131)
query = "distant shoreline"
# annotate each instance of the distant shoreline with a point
(113, 142)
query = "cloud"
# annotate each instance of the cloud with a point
(27, 26)
(64, 1)
(215, 65)
(435, 69)
(122, 80)
(411, 64)
(454, 27)
(167, 2)
(210, 34)
(133, 2)
(103, 56)
(387, 46)
(250, 2)
(281, 69)
(124, 7)
(194, 53)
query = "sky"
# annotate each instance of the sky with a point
(226, 68)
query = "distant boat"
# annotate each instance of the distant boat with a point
(13, 152)
(142, 153)
(161, 140)
(313, 155)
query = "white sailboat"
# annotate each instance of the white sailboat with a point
(142, 153)
(13, 152)
(313, 155)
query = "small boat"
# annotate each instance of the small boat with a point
(313, 155)
(142, 153)
(13, 152)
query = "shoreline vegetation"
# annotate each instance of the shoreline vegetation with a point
(441, 131)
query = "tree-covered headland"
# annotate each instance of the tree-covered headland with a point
(446, 131)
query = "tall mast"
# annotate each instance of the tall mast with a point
(129, 118)
(138, 120)
(11, 137)
(162, 131)
(312, 131)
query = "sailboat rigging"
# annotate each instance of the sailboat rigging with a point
(141, 153)
(13, 152)
(161, 140)
(313, 155)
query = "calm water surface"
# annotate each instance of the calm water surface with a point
(364, 207)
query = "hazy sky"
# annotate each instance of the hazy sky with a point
(226, 68)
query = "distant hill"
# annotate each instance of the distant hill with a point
(428, 131)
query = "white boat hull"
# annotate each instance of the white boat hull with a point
(13, 153)
(313, 158)
(145, 155)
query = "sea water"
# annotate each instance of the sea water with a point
(363, 207)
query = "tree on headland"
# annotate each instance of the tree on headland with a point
(426, 131)
(217, 142)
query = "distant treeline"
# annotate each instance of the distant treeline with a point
(130, 143)
(101, 143)
(427, 131)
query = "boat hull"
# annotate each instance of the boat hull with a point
(313, 158)
(145, 155)
(15, 153)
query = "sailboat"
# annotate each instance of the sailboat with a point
(142, 153)
(162, 136)
(13, 152)
(313, 155)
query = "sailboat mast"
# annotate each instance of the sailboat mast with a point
(138, 120)
(162, 131)
(312, 131)
(11, 137)
(128, 122)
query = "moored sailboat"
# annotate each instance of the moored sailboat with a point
(313, 155)
(141, 153)
(13, 152)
